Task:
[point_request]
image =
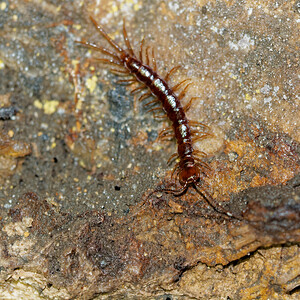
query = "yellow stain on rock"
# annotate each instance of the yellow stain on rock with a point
(248, 97)
(38, 104)
(3, 5)
(50, 106)
(91, 83)
(1, 64)
(77, 26)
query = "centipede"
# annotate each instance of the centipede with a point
(190, 169)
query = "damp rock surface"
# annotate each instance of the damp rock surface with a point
(83, 208)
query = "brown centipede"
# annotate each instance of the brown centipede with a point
(190, 168)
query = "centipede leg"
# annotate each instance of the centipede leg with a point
(144, 96)
(152, 102)
(177, 86)
(167, 77)
(147, 56)
(141, 49)
(195, 132)
(200, 137)
(201, 164)
(138, 89)
(175, 170)
(197, 124)
(160, 117)
(208, 198)
(182, 94)
(213, 204)
(127, 81)
(168, 134)
(153, 109)
(167, 137)
(189, 104)
(119, 72)
(173, 157)
(154, 60)
(198, 153)
(167, 130)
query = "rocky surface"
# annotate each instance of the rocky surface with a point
(77, 215)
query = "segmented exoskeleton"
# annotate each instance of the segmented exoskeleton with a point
(190, 168)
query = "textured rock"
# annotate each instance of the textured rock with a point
(89, 228)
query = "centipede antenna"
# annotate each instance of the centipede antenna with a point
(97, 48)
(106, 36)
(127, 42)
(107, 61)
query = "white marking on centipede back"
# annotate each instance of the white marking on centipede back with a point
(145, 72)
(171, 101)
(135, 65)
(183, 130)
(159, 84)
